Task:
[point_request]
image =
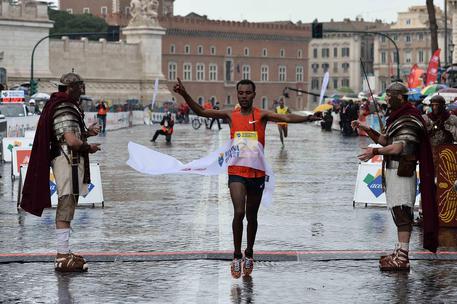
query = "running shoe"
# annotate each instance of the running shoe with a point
(235, 268)
(248, 266)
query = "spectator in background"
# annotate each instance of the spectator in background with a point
(102, 110)
(167, 124)
(216, 107)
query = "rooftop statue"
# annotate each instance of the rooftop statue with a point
(144, 12)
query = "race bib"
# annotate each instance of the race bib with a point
(247, 143)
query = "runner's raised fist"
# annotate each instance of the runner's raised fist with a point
(179, 87)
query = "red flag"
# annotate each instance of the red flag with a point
(414, 78)
(432, 70)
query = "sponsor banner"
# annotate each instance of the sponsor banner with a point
(20, 157)
(12, 96)
(8, 143)
(368, 187)
(95, 195)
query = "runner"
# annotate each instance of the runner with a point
(247, 126)
(282, 126)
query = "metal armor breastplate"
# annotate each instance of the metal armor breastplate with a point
(407, 130)
(67, 118)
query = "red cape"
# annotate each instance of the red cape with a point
(36, 194)
(427, 179)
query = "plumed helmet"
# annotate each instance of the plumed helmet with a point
(397, 88)
(438, 99)
(70, 78)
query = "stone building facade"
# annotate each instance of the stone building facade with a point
(339, 53)
(21, 26)
(115, 12)
(211, 56)
(411, 34)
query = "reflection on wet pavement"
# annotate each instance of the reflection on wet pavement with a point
(312, 210)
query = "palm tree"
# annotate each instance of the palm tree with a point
(433, 25)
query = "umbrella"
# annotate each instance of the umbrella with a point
(414, 94)
(323, 107)
(449, 95)
(452, 106)
(433, 88)
(40, 96)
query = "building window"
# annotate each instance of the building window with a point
(172, 48)
(408, 21)
(299, 73)
(246, 51)
(335, 52)
(314, 83)
(335, 83)
(345, 67)
(335, 67)
(264, 102)
(408, 56)
(420, 36)
(314, 53)
(395, 37)
(300, 53)
(200, 50)
(345, 82)
(104, 10)
(213, 72)
(228, 70)
(86, 10)
(315, 67)
(394, 56)
(171, 71)
(70, 10)
(325, 53)
(282, 73)
(345, 52)
(264, 73)
(200, 76)
(229, 51)
(229, 100)
(187, 71)
(420, 55)
(282, 53)
(408, 38)
(246, 71)
(264, 52)
(325, 67)
(212, 50)
(383, 39)
(383, 57)
(187, 49)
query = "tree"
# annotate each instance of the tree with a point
(85, 23)
(433, 25)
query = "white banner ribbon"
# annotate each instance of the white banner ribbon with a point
(151, 162)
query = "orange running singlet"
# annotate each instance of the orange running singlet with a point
(248, 123)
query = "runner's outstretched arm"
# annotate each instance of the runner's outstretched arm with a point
(198, 109)
(289, 118)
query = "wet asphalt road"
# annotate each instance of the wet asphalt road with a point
(312, 210)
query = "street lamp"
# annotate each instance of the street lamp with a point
(451, 50)
(33, 82)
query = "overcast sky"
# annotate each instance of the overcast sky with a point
(295, 10)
